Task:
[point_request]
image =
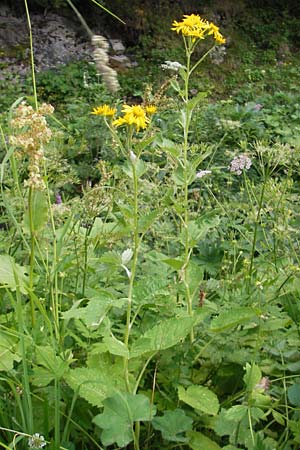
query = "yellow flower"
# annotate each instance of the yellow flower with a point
(134, 115)
(194, 26)
(217, 35)
(104, 110)
(191, 25)
(150, 109)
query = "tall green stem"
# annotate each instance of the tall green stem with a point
(186, 127)
(257, 221)
(31, 55)
(136, 244)
(32, 255)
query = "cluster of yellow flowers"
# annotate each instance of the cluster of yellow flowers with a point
(31, 133)
(136, 115)
(194, 26)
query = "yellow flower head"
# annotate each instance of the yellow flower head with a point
(133, 115)
(150, 109)
(194, 26)
(214, 30)
(104, 110)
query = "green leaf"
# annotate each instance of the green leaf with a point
(229, 447)
(8, 354)
(279, 418)
(169, 147)
(96, 310)
(147, 220)
(236, 413)
(116, 347)
(54, 365)
(175, 85)
(140, 167)
(198, 441)
(223, 426)
(179, 175)
(172, 424)
(39, 212)
(94, 385)
(196, 100)
(12, 275)
(293, 393)
(175, 263)
(200, 398)
(167, 333)
(198, 229)
(120, 412)
(232, 318)
(252, 376)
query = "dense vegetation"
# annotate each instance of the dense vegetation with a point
(149, 243)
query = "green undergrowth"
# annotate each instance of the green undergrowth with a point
(149, 253)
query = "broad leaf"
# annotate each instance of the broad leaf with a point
(53, 366)
(96, 310)
(198, 229)
(167, 333)
(252, 376)
(116, 347)
(172, 424)
(94, 385)
(39, 212)
(294, 394)
(8, 353)
(12, 275)
(200, 398)
(232, 318)
(198, 441)
(120, 412)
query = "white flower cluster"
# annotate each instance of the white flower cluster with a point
(239, 163)
(100, 55)
(172, 65)
(36, 441)
(202, 173)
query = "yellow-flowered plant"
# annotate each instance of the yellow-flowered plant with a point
(135, 115)
(197, 28)
(104, 110)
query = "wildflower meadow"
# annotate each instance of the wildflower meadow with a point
(149, 263)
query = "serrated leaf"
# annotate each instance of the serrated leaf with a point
(198, 229)
(200, 398)
(232, 318)
(223, 426)
(12, 275)
(167, 333)
(39, 212)
(172, 424)
(198, 441)
(120, 412)
(145, 222)
(94, 385)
